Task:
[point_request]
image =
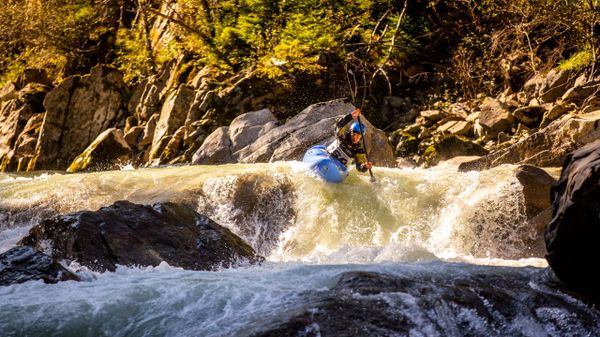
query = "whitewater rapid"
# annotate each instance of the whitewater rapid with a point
(288, 215)
(409, 222)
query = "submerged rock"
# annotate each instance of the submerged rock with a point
(143, 235)
(481, 303)
(22, 264)
(572, 236)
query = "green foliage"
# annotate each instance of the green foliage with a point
(578, 60)
(467, 44)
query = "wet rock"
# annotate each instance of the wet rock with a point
(479, 303)
(106, 152)
(22, 264)
(143, 235)
(572, 236)
(536, 188)
(263, 206)
(77, 111)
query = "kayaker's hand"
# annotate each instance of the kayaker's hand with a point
(356, 113)
(368, 165)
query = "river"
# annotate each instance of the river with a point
(409, 222)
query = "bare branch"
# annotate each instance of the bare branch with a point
(396, 32)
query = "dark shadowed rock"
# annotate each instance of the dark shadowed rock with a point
(22, 264)
(572, 236)
(131, 234)
(479, 303)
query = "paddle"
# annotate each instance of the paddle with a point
(362, 136)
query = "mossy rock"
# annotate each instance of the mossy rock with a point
(451, 146)
(407, 146)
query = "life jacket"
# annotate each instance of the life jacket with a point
(337, 150)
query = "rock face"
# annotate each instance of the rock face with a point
(22, 264)
(131, 234)
(77, 111)
(482, 304)
(20, 109)
(572, 236)
(547, 147)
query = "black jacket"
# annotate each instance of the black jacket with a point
(351, 150)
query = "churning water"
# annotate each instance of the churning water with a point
(409, 221)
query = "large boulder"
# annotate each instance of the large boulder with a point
(77, 111)
(106, 152)
(555, 85)
(216, 148)
(495, 117)
(22, 264)
(314, 125)
(248, 127)
(573, 234)
(547, 147)
(538, 208)
(140, 235)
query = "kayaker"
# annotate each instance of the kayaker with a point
(347, 146)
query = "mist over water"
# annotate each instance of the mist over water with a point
(410, 222)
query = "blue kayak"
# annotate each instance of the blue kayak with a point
(324, 165)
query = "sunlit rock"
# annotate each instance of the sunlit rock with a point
(108, 151)
(495, 117)
(547, 147)
(216, 148)
(172, 116)
(77, 111)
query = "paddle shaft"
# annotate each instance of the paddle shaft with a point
(362, 135)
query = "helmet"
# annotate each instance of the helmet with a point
(356, 128)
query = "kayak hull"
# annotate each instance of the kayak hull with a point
(325, 166)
